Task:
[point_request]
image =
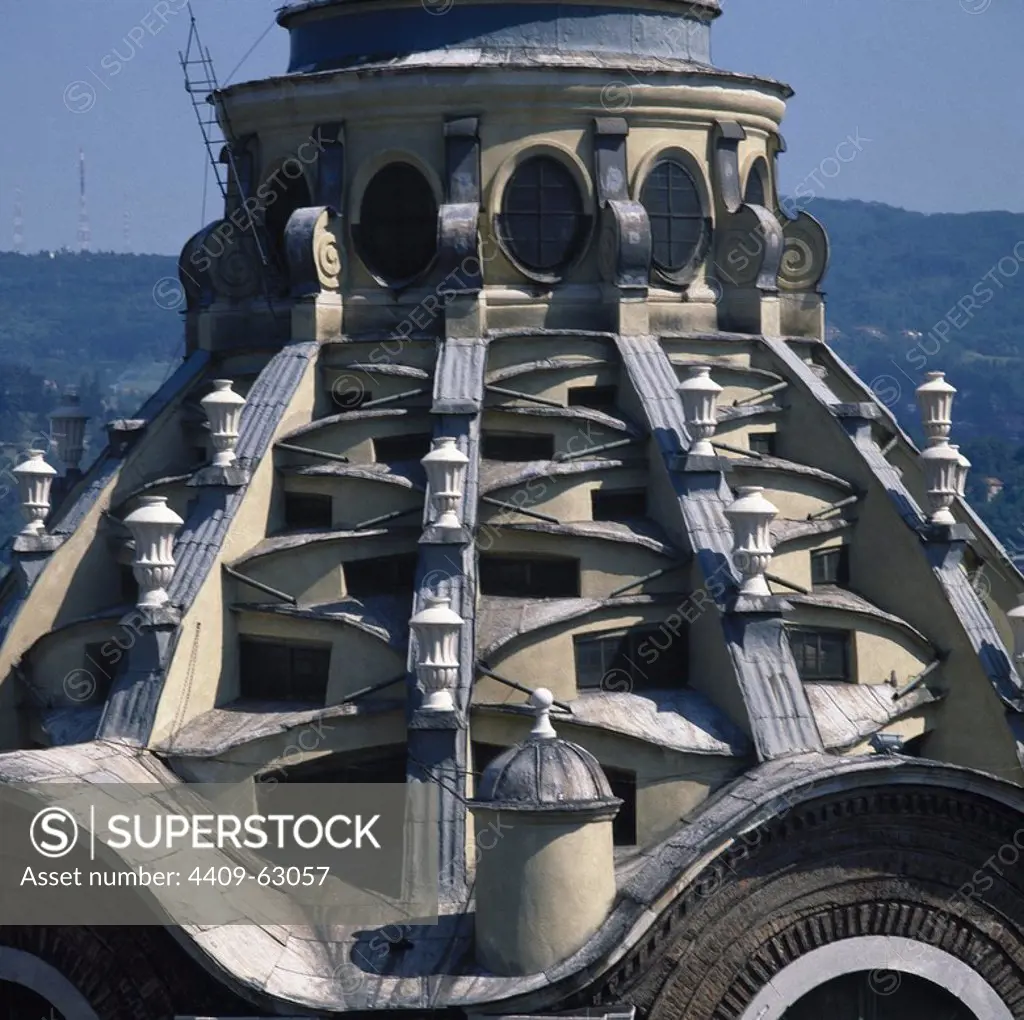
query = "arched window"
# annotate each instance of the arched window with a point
(757, 185)
(397, 230)
(679, 228)
(286, 194)
(542, 223)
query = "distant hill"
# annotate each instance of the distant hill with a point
(907, 293)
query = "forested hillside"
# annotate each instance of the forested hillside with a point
(907, 293)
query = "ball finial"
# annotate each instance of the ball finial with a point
(542, 699)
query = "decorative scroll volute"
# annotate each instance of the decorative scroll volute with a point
(313, 250)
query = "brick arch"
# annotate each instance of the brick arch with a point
(907, 862)
(109, 973)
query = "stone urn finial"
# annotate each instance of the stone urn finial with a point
(67, 430)
(445, 466)
(153, 526)
(437, 629)
(35, 478)
(223, 408)
(942, 472)
(751, 516)
(935, 400)
(699, 393)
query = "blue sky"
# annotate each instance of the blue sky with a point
(931, 88)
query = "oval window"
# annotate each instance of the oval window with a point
(678, 224)
(542, 222)
(397, 230)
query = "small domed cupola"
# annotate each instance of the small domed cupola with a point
(545, 878)
(545, 771)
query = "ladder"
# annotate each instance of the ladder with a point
(202, 87)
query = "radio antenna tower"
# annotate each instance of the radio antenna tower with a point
(127, 230)
(19, 224)
(84, 234)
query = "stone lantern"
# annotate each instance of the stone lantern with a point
(1016, 618)
(751, 516)
(223, 408)
(34, 477)
(963, 466)
(437, 629)
(446, 474)
(935, 400)
(67, 430)
(700, 406)
(153, 526)
(942, 472)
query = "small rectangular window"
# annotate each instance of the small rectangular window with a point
(821, 654)
(642, 658)
(199, 455)
(618, 504)
(762, 443)
(396, 449)
(598, 398)
(275, 671)
(307, 511)
(381, 575)
(623, 784)
(830, 566)
(522, 577)
(517, 446)
(101, 664)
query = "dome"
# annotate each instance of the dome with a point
(545, 771)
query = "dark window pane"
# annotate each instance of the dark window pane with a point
(542, 219)
(623, 784)
(762, 443)
(307, 510)
(618, 505)
(600, 398)
(643, 658)
(395, 449)
(830, 566)
(673, 203)
(397, 232)
(520, 577)
(756, 194)
(376, 765)
(821, 654)
(276, 671)
(382, 575)
(517, 446)
(129, 586)
(287, 192)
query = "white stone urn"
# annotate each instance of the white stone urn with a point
(942, 471)
(35, 477)
(699, 394)
(445, 466)
(67, 430)
(223, 409)
(751, 516)
(935, 401)
(153, 526)
(437, 629)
